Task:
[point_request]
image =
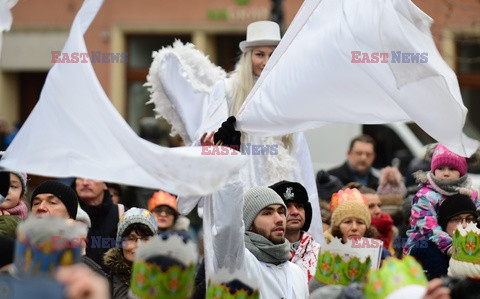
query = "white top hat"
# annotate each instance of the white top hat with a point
(261, 33)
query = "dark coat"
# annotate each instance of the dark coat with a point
(345, 175)
(104, 218)
(120, 273)
(92, 265)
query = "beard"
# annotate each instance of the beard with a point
(270, 235)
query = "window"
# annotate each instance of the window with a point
(468, 72)
(140, 48)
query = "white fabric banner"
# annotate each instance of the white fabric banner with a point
(367, 62)
(75, 131)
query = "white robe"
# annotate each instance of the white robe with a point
(223, 221)
(265, 170)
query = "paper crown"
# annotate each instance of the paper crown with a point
(161, 198)
(236, 285)
(465, 261)
(346, 195)
(44, 244)
(164, 267)
(339, 264)
(393, 276)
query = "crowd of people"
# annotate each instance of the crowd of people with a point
(257, 227)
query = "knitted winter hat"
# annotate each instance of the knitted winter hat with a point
(295, 192)
(256, 199)
(349, 203)
(23, 179)
(66, 194)
(455, 205)
(327, 184)
(162, 198)
(443, 157)
(136, 215)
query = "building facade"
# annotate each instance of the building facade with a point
(136, 28)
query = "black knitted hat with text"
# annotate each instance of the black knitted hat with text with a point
(295, 192)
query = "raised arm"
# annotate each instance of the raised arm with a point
(224, 229)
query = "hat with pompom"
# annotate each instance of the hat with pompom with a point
(442, 156)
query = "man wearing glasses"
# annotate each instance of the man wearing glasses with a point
(454, 210)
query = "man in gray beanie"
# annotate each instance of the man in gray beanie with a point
(303, 248)
(253, 241)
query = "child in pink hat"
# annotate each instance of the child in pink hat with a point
(448, 176)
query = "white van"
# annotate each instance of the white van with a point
(396, 143)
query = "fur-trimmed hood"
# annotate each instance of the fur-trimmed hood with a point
(117, 264)
(420, 176)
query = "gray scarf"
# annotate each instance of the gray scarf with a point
(460, 185)
(265, 251)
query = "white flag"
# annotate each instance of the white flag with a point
(331, 67)
(74, 130)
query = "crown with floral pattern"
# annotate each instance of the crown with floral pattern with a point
(348, 194)
(393, 276)
(164, 267)
(465, 259)
(236, 285)
(44, 244)
(336, 266)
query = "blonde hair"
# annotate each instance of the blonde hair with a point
(244, 72)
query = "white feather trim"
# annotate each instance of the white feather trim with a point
(197, 70)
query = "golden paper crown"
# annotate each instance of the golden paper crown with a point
(236, 285)
(393, 276)
(164, 267)
(465, 261)
(44, 244)
(346, 195)
(342, 264)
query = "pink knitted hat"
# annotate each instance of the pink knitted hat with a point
(443, 157)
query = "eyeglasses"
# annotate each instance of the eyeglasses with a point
(467, 219)
(134, 239)
(164, 209)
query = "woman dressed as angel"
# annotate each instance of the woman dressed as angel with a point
(273, 159)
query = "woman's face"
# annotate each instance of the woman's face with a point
(352, 227)
(374, 205)
(129, 246)
(260, 56)
(165, 217)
